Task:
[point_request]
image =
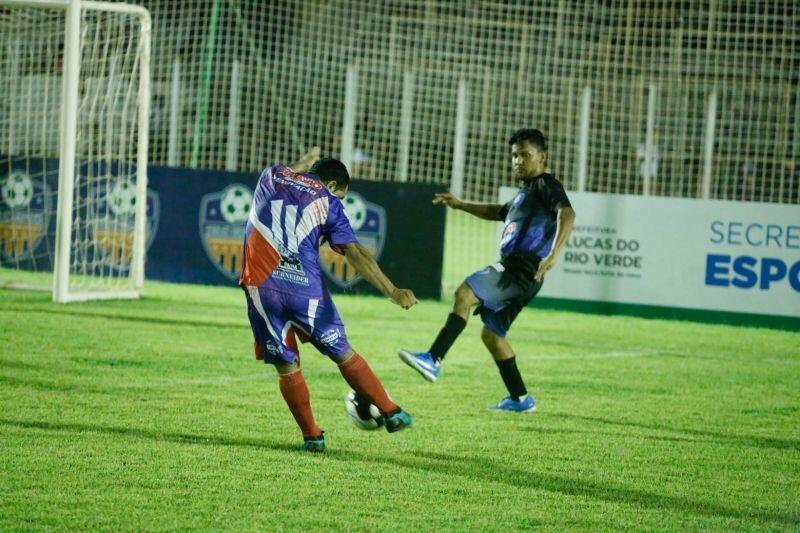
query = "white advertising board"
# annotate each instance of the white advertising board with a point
(675, 252)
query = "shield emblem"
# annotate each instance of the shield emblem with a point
(112, 223)
(368, 220)
(24, 215)
(223, 217)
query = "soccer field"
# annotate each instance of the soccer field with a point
(153, 414)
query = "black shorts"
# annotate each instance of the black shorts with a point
(499, 307)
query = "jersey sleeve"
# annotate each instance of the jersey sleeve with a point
(265, 179)
(554, 194)
(268, 172)
(337, 230)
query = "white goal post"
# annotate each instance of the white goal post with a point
(96, 55)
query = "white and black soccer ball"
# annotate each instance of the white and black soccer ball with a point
(17, 189)
(355, 207)
(122, 198)
(362, 413)
(235, 203)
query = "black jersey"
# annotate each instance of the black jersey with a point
(530, 218)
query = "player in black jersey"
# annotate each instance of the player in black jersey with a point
(538, 222)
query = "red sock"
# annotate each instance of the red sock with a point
(295, 392)
(359, 375)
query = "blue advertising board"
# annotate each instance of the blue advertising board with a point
(196, 220)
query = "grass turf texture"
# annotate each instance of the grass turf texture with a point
(153, 414)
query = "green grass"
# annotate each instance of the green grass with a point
(153, 414)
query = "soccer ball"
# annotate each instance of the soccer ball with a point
(17, 189)
(356, 210)
(235, 203)
(122, 198)
(362, 413)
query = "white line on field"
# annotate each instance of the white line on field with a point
(597, 355)
(166, 383)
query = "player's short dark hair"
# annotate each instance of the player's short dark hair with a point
(330, 169)
(535, 137)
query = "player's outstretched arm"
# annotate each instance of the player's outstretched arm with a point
(484, 211)
(361, 259)
(305, 162)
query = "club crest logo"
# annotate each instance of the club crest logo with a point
(368, 220)
(112, 221)
(24, 215)
(223, 217)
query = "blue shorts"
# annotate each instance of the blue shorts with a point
(499, 307)
(276, 317)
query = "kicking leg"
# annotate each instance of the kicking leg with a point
(463, 303)
(358, 374)
(429, 363)
(327, 333)
(362, 379)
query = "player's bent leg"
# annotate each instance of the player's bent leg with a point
(464, 301)
(428, 364)
(358, 374)
(518, 399)
(325, 329)
(295, 392)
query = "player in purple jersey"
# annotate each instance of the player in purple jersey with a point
(538, 222)
(295, 209)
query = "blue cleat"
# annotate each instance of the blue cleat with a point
(422, 362)
(396, 422)
(508, 403)
(314, 444)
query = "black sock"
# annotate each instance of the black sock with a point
(511, 377)
(447, 336)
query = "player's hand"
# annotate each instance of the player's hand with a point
(446, 198)
(313, 153)
(311, 156)
(404, 298)
(546, 264)
(305, 162)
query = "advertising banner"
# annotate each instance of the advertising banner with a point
(686, 253)
(204, 212)
(196, 220)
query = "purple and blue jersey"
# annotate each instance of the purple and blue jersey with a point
(292, 215)
(530, 218)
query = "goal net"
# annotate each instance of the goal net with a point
(74, 97)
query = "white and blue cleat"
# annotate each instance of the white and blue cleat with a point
(422, 362)
(527, 405)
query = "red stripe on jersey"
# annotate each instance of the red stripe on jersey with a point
(260, 259)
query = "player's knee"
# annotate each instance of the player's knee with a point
(287, 368)
(489, 338)
(464, 295)
(343, 357)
